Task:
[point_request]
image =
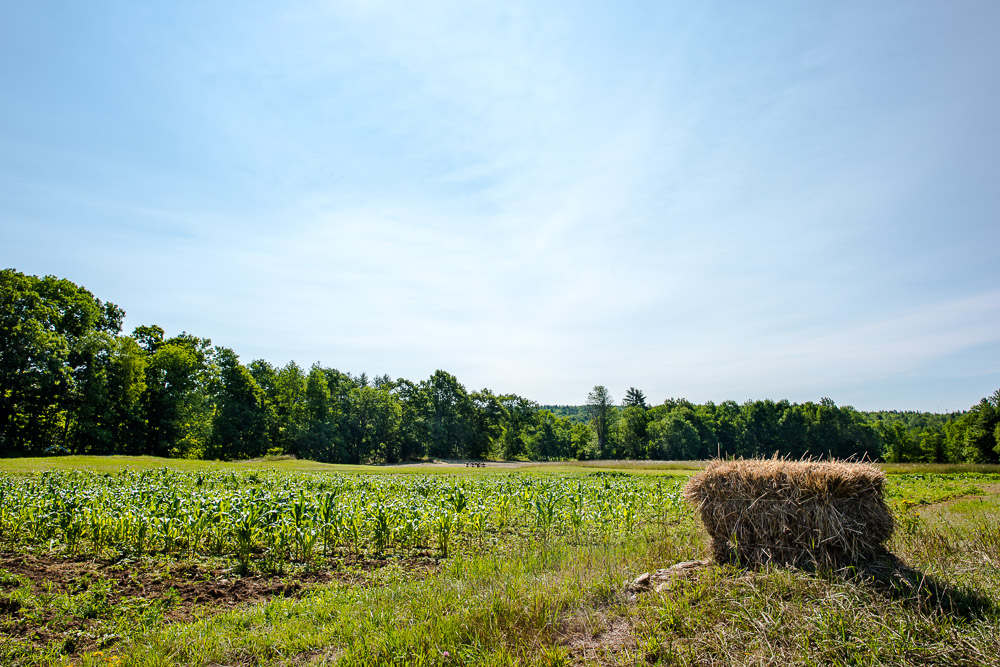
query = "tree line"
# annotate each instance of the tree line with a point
(72, 382)
(678, 429)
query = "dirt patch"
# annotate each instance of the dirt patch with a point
(597, 637)
(46, 599)
(190, 584)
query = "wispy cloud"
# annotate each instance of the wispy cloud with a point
(536, 197)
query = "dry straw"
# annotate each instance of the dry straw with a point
(795, 512)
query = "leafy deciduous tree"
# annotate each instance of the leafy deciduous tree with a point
(240, 423)
(602, 414)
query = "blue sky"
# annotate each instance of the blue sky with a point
(709, 200)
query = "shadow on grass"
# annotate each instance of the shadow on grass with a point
(890, 576)
(882, 572)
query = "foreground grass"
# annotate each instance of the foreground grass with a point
(529, 603)
(539, 599)
(568, 605)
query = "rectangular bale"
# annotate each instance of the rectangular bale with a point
(793, 512)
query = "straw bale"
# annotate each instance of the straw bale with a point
(794, 512)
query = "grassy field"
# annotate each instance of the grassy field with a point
(143, 561)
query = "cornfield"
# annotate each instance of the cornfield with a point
(268, 518)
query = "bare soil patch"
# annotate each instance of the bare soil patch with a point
(597, 637)
(194, 584)
(180, 592)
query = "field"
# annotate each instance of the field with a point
(115, 561)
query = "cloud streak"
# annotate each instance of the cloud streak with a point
(719, 204)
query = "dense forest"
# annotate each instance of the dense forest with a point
(71, 382)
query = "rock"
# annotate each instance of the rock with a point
(641, 583)
(687, 566)
(657, 580)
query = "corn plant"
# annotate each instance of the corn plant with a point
(244, 529)
(383, 523)
(329, 517)
(577, 512)
(355, 527)
(545, 505)
(444, 521)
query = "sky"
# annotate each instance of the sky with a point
(717, 201)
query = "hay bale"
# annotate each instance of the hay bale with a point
(792, 512)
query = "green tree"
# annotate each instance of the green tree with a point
(898, 446)
(46, 338)
(413, 428)
(584, 442)
(108, 389)
(980, 430)
(240, 422)
(701, 421)
(372, 419)
(861, 434)
(672, 438)
(149, 337)
(518, 418)
(632, 440)
(445, 411)
(760, 434)
(488, 416)
(932, 447)
(265, 375)
(551, 437)
(177, 403)
(318, 440)
(602, 414)
(288, 396)
(634, 398)
(794, 427)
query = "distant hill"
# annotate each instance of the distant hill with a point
(914, 420)
(577, 414)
